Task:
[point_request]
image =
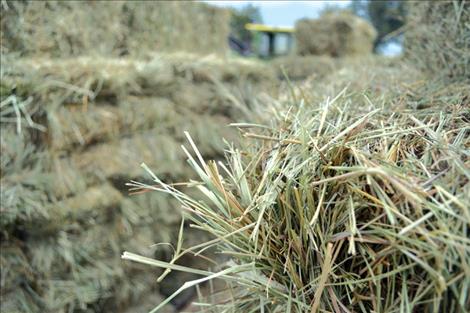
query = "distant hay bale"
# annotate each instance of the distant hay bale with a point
(71, 28)
(334, 34)
(438, 38)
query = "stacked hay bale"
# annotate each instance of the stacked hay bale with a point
(438, 38)
(334, 34)
(69, 28)
(320, 41)
(73, 132)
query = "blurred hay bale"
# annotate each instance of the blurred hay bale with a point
(123, 157)
(87, 125)
(68, 28)
(99, 201)
(334, 34)
(73, 126)
(301, 67)
(437, 39)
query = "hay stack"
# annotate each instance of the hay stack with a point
(437, 39)
(334, 34)
(68, 28)
(73, 131)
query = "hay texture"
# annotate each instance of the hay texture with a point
(437, 39)
(296, 67)
(334, 34)
(69, 28)
(73, 131)
(354, 198)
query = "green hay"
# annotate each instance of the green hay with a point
(62, 198)
(354, 202)
(93, 100)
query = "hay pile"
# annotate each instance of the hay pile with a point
(73, 131)
(70, 28)
(438, 38)
(356, 202)
(334, 34)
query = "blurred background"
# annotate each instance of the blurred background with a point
(386, 16)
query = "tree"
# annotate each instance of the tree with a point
(247, 14)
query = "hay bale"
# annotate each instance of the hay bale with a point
(78, 269)
(64, 189)
(71, 127)
(123, 157)
(60, 29)
(212, 68)
(437, 39)
(97, 206)
(334, 34)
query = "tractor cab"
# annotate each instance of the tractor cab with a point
(271, 41)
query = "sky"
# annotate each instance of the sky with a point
(283, 13)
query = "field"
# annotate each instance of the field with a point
(141, 171)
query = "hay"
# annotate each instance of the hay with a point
(160, 149)
(83, 125)
(437, 39)
(98, 205)
(79, 126)
(61, 29)
(334, 34)
(352, 199)
(15, 267)
(302, 67)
